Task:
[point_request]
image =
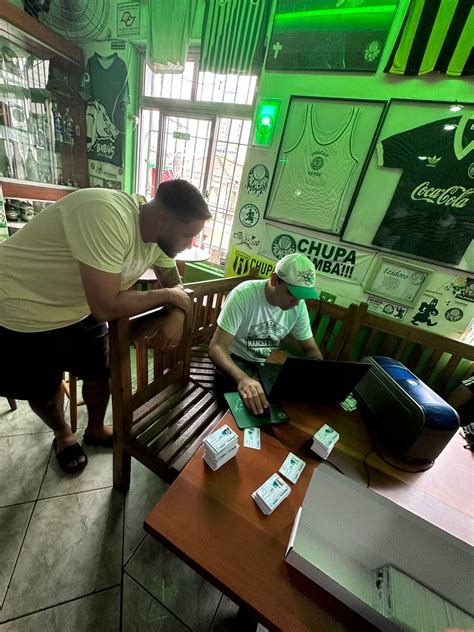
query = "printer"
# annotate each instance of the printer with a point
(415, 423)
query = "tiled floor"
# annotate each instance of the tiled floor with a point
(73, 553)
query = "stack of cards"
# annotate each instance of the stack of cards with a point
(349, 404)
(292, 467)
(269, 495)
(324, 441)
(220, 446)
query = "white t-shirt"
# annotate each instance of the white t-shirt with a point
(257, 326)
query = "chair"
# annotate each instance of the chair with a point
(208, 298)
(70, 390)
(160, 414)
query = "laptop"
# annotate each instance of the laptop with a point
(311, 380)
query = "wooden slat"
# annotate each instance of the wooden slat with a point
(175, 415)
(430, 366)
(198, 423)
(402, 343)
(367, 348)
(181, 420)
(447, 373)
(415, 357)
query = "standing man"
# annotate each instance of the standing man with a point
(256, 317)
(65, 273)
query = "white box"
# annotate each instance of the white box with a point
(344, 531)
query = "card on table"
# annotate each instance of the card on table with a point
(244, 417)
(292, 467)
(252, 438)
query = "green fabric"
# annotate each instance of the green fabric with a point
(232, 30)
(169, 34)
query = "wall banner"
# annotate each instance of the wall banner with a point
(385, 308)
(240, 264)
(330, 258)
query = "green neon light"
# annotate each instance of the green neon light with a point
(316, 13)
(266, 118)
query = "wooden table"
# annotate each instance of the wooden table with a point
(210, 521)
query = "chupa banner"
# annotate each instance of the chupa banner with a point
(329, 258)
(240, 263)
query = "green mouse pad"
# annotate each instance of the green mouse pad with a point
(245, 419)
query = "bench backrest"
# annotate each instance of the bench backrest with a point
(352, 333)
(208, 297)
(439, 361)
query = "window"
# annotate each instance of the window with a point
(196, 126)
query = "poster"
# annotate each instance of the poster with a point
(329, 34)
(321, 156)
(417, 196)
(240, 263)
(330, 258)
(385, 308)
(397, 280)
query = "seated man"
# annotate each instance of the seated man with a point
(256, 317)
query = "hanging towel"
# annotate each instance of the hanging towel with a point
(169, 34)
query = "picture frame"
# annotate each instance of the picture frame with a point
(415, 198)
(322, 153)
(321, 35)
(399, 281)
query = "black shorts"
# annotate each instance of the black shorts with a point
(32, 364)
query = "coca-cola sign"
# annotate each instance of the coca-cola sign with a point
(455, 196)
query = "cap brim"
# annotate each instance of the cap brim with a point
(299, 291)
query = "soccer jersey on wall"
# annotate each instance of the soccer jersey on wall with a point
(322, 152)
(422, 179)
(105, 86)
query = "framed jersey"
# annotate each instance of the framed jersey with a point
(324, 146)
(417, 195)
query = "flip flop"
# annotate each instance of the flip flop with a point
(103, 443)
(69, 454)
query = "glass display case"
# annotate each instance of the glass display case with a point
(42, 114)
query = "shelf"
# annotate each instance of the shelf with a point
(20, 190)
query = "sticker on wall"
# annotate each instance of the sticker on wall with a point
(385, 308)
(426, 312)
(257, 180)
(329, 258)
(241, 263)
(283, 245)
(249, 215)
(466, 291)
(244, 239)
(128, 19)
(454, 314)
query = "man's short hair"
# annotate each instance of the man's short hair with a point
(183, 200)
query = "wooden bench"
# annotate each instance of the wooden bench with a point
(344, 334)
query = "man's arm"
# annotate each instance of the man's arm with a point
(308, 347)
(171, 326)
(107, 301)
(168, 277)
(250, 390)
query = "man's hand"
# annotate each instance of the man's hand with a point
(169, 332)
(177, 297)
(252, 393)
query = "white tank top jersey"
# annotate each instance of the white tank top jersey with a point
(315, 174)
